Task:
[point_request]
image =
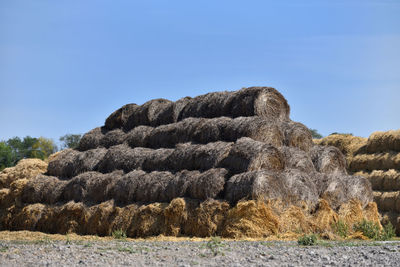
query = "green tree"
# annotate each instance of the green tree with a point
(315, 134)
(6, 156)
(70, 140)
(43, 148)
(22, 148)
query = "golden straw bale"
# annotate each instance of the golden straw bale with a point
(383, 180)
(325, 216)
(371, 213)
(351, 212)
(295, 219)
(250, 219)
(346, 143)
(388, 201)
(384, 141)
(377, 161)
(207, 219)
(25, 169)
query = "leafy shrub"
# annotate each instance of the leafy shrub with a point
(373, 231)
(307, 240)
(340, 228)
(215, 245)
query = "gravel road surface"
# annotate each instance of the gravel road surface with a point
(189, 253)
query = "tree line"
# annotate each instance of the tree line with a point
(15, 149)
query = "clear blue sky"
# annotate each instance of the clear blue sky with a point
(66, 65)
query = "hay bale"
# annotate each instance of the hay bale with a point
(383, 141)
(118, 118)
(346, 143)
(358, 188)
(122, 157)
(291, 186)
(383, 180)
(328, 159)
(297, 135)
(138, 136)
(377, 161)
(43, 189)
(297, 159)
(25, 169)
(250, 219)
(139, 186)
(249, 155)
(112, 138)
(153, 113)
(91, 187)
(92, 139)
(388, 201)
(71, 162)
(253, 101)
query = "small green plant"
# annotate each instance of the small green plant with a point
(373, 231)
(126, 249)
(340, 228)
(3, 248)
(215, 245)
(388, 232)
(119, 234)
(307, 240)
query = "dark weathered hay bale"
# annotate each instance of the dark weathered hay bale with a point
(249, 155)
(384, 141)
(139, 186)
(198, 157)
(43, 189)
(71, 162)
(255, 185)
(377, 161)
(388, 201)
(154, 112)
(122, 157)
(297, 135)
(63, 165)
(112, 138)
(291, 186)
(297, 159)
(171, 134)
(119, 117)
(91, 187)
(328, 159)
(91, 139)
(137, 137)
(338, 188)
(253, 101)
(359, 188)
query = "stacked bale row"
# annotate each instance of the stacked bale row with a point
(220, 148)
(378, 159)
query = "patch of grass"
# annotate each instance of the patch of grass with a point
(341, 228)
(126, 249)
(88, 245)
(307, 240)
(373, 231)
(215, 245)
(44, 240)
(3, 248)
(119, 234)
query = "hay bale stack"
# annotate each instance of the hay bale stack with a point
(384, 141)
(226, 163)
(378, 159)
